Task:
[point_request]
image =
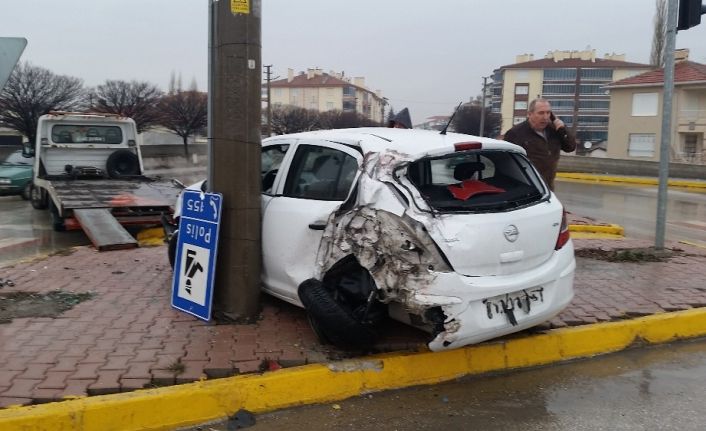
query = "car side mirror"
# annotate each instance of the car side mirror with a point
(27, 150)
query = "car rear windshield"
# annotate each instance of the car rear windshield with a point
(80, 134)
(476, 181)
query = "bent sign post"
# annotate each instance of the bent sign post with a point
(10, 51)
(195, 261)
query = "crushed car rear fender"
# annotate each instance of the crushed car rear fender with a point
(387, 230)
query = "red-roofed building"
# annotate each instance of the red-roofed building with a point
(636, 114)
(573, 82)
(321, 91)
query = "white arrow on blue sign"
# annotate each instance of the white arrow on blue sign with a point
(195, 260)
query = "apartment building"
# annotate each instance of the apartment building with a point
(636, 114)
(321, 91)
(574, 83)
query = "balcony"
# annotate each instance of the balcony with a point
(691, 120)
(688, 115)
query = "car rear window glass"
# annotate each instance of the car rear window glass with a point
(489, 180)
(81, 134)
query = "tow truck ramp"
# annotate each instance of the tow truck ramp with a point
(104, 231)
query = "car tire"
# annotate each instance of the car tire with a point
(122, 163)
(320, 334)
(27, 191)
(332, 321)
(38, 197)
(171, 248)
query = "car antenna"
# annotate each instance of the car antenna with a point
(443, 131)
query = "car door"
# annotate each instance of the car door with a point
(319, 177)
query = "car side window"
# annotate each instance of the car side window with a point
(320, 173)
(271, 159)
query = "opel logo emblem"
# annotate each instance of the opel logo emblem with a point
(511, 233)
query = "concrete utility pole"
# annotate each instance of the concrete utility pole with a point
(482, 108)
(269, 100)
(665, 141)
(235, 105)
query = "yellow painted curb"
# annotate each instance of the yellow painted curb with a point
(699, 244)
(193, 403)
(595, 235)
(612, 229)
(150, 237)
(628, 180)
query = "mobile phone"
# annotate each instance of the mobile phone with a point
(551, 116)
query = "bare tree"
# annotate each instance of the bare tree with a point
(292, 119)
(341, 120)
(467, 120)
(137, 100)
(184, 113)
(32, 91)
(660, 34)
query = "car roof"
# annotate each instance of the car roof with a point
(408, 141)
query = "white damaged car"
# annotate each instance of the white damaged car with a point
(454, 234)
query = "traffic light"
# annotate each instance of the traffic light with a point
(690, 12)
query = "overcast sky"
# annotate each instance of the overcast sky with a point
(425, 55)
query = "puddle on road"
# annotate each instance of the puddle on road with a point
(26, 232)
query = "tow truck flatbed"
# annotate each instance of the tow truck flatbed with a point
(88, 172)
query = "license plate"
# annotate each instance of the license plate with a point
(512, 303)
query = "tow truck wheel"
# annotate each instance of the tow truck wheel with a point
(38, 197)
(123, 163)
(57, 221)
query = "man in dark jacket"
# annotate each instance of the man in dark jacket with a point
(542, 136)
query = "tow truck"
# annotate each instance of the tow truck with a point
(88, 173)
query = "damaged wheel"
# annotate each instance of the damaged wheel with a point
(332, 321)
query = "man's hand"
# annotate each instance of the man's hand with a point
(558, 124)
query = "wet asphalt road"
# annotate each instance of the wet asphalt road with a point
(635, 208)
(28, 231)
(649, 388)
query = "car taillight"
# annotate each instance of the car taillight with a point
(563, 232)
(465, 146)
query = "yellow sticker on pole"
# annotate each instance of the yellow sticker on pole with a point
(240, 6)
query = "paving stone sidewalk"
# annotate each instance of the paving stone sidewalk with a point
(128, 337)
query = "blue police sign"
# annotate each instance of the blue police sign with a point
(195, 261)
